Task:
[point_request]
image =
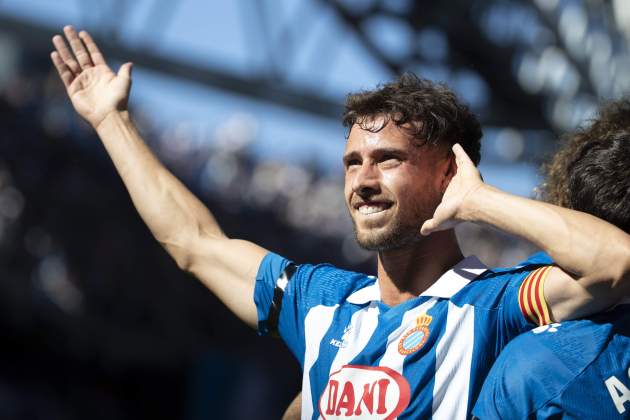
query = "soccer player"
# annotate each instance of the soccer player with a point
(416, 341)
(575, 369)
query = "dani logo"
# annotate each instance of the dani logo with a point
(414, 339)
(366, 392)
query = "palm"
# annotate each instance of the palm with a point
(92, 86)
(96, 91)
(465, 182)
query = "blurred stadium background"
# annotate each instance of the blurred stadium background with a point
(241, 99)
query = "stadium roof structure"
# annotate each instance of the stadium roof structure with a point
(531, 68)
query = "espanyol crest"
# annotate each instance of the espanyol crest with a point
(414, 339)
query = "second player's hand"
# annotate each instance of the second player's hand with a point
(452, 209)
(94, 89)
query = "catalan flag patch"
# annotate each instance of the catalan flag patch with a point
(531, 297)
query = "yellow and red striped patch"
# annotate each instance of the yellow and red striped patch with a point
(531, 298)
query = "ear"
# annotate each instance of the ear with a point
(448, 170)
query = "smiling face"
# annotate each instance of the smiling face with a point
(392, 185)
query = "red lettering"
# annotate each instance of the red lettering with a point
(367, 398)
(332, 398)
(346, 400)
(361, 391)
(382, 391)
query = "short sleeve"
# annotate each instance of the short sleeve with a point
(523, 304)
(285, 292)
(269, 272)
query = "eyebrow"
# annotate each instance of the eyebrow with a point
(377, 152)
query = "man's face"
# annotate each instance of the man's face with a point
(392, 185)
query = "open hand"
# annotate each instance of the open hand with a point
(92, 86)
(465, 183)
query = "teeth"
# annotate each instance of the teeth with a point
(371, 209)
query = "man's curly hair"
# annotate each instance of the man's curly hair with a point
(429, 112)
(590, 171)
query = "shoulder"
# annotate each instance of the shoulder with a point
(487, 290)
(532, 370)
(310, 284)
(544, 367)
(329, 285)
(568, 347)
(542, 362)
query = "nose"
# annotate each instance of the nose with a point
(366, 181)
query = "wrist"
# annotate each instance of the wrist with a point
(475, 200)
(115, 116)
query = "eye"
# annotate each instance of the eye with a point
(352, 162)
(389, 161)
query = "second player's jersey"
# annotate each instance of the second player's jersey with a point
(424, 358)
(573, 370)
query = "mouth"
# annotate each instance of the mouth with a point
(372, 207)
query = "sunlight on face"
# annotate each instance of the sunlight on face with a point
(392, 185)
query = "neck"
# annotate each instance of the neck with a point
(405, 273)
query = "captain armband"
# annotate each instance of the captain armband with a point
(531, 297)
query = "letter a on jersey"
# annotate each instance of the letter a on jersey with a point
(619, 393)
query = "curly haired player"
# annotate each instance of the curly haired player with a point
(576, 369)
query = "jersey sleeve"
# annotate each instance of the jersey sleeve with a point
(285, 292)
(523, 304)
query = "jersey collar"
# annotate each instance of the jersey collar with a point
(446, 286)
(456, 278)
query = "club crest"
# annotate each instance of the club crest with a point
(414, 339)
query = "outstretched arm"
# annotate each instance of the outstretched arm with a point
(177, 219)
(592, 256)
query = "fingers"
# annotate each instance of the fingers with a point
(95, 53)
(65, 73)
(428, 227)
(77, 47)
(66, 55)
(461, 157)
(125, 70)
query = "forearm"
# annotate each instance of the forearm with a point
(172, 213)
(581, 244)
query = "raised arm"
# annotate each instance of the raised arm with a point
(177, 219)
(592, 256)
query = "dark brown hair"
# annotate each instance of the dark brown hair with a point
(429, 112)
(590, 172)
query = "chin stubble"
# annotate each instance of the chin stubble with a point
(397, 236)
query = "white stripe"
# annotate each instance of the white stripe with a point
(456, 278)
(360, 330)
(392, 358)
(453, 359)
(365, 295)
(316, 323)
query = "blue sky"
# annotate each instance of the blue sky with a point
(215, 33)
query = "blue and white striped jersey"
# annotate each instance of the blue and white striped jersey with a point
(424, 358)
(570, 370)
